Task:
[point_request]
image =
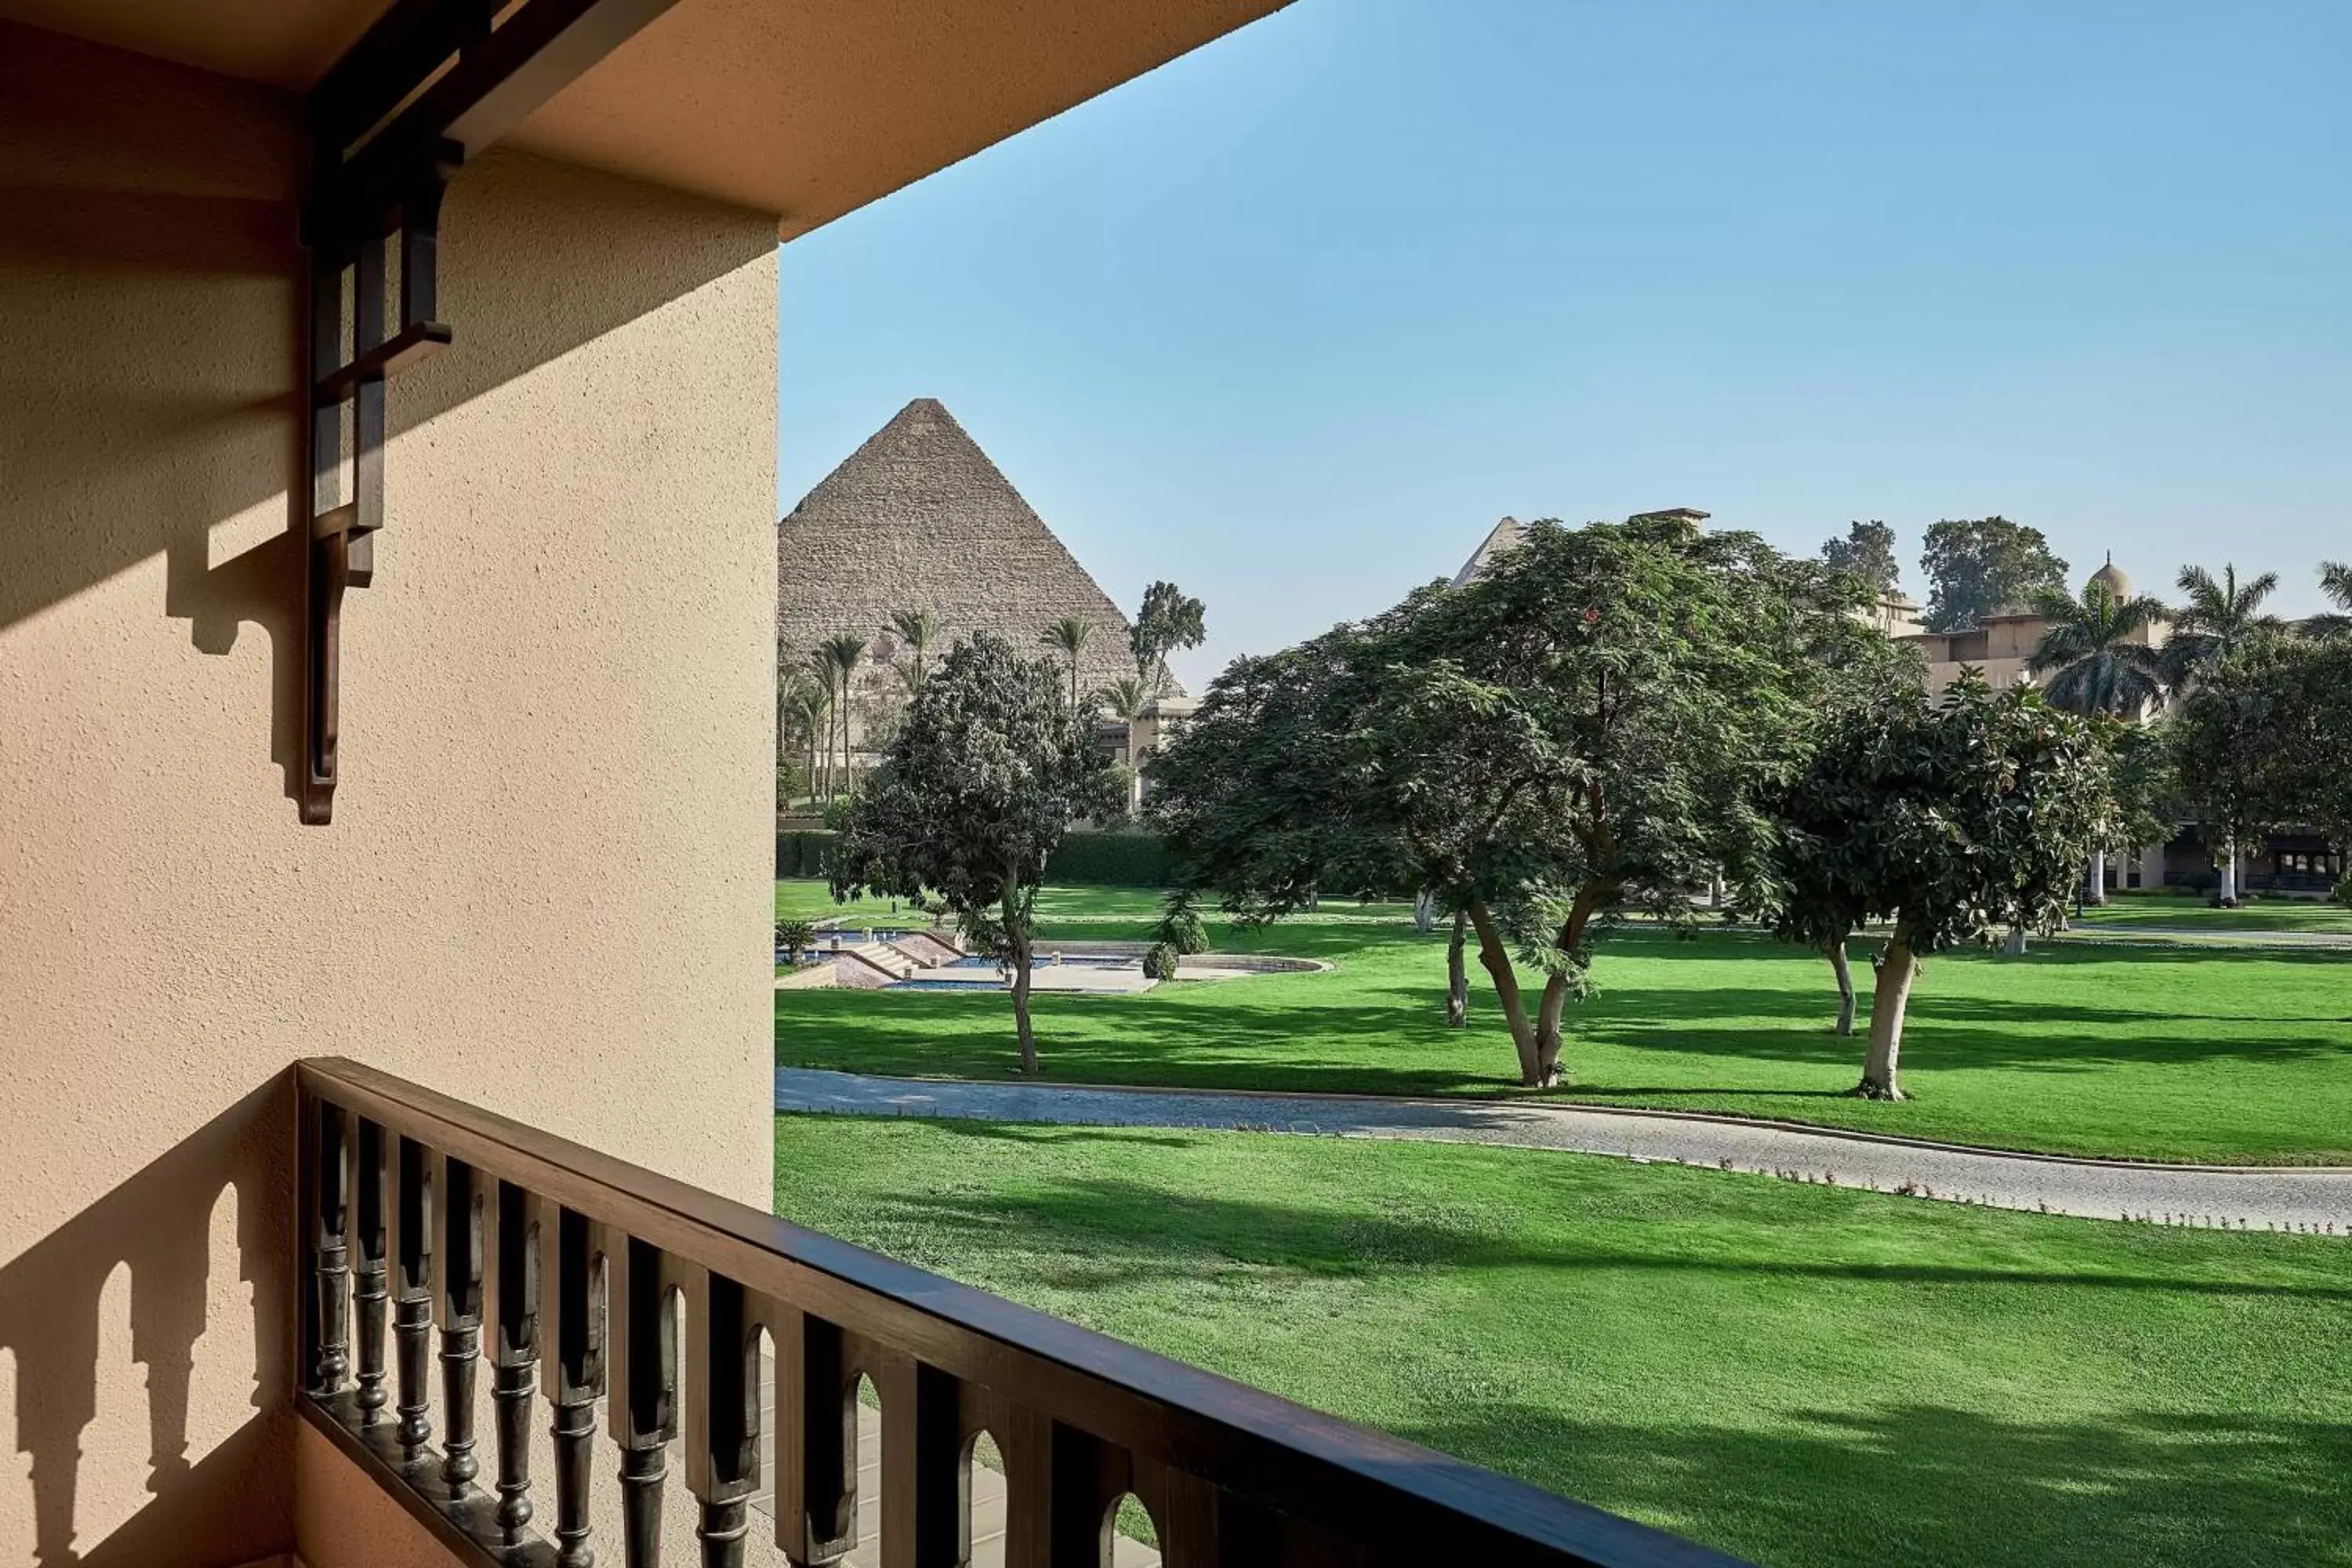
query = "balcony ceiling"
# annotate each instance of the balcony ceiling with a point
(807, 108)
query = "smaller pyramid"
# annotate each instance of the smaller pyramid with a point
(919, 519)
(1500, 541)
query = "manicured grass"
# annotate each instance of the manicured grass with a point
(1812, 1378)
(2136, 911)
(2158, 1052)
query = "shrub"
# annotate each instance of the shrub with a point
(1179, 926)
(2342, 894)
(795, 937)
(1159, 964)
(1086, 858)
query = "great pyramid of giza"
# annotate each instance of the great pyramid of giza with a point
(919, 519)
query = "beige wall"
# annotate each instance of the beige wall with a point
(545, 889)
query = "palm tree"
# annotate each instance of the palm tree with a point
(2099, 655)
(919, 630)
(812, 707)
(2217, 618)
(2336, 582)
(841, 654)
(1069, 634)
(792, 687)
(1128, 698)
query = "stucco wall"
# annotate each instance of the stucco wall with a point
(545, 888)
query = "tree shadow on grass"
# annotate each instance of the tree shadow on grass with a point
(1125, 1232)
(1930, 1484)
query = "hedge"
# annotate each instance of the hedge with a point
(1088, 858)
(1092, 858)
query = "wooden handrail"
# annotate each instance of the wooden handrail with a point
(1231, 1474)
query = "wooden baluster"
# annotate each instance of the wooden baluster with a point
(1088, 1476)
(926, 1486)
(723, 1450)
(329, 1266)
(412, 1298)
(515, 1350)
(1186, 1510)
(369, 1293)
(816, 1441)
(1023, 1437)
(459, 1286)
(644, 1406)
(572, 1369)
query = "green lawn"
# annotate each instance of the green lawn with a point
(2140, 910)
(2111, 1049)
(1806, 1376)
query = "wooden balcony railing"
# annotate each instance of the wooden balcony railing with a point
(585, 1272)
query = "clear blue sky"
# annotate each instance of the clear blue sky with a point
(1293, 320)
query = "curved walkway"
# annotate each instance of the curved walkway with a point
(2253, 1198)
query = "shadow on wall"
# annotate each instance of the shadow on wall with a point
(150, 278)
(62, 1312)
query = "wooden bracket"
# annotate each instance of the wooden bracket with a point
(430, 83)
(341, 553)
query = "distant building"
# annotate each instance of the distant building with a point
(919, 518)
(2003, 645)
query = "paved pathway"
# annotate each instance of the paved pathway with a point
(2252, 1199)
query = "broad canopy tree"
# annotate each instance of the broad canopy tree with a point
(1577, 732)
(2264, 740)
(973, 797)
(1950, 818)
(1868, 551)
(1976, 567)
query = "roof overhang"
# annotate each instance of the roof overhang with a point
(807, 108)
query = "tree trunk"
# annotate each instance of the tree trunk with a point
(2094, 886)
(1881, 1072)
(1844, 973)
(1547, 1024)
(1497, 961)
(1457, 976)
(2014, 944)
(1424, 912)
(1016, 936)
(2229, 873)
(1715, 890)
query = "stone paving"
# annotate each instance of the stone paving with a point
(2259, 1198)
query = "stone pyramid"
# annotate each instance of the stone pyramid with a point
(919, 518)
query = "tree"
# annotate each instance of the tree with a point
(795, 936)
(2216, 620)
(1129, 699)
(1949, 818)
(1575, 732)
(2100, 661)
(838, 657)
(1977, 567)
(812, 709)
(970, 800)
(794, 691)
(2265, 741)
(919, 630)
(2314, 759)
(2336, 582)
(1868, 551)
(1168, 622)
(1070, 635)
(2230, 739)
(2098, 653)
